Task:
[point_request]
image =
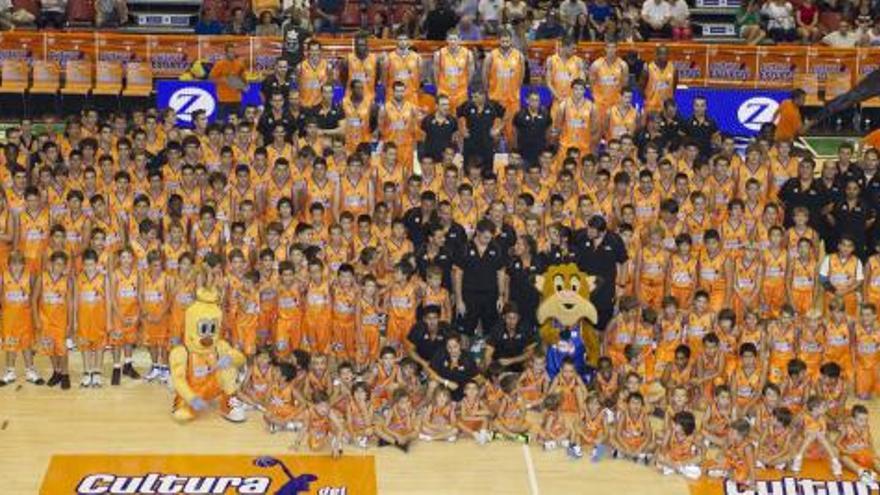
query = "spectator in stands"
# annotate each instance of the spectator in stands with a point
(439, 21)
(781, 25)
(599, 13)
(409, 25)
(843, 37)
(515, 10)
(467, 7)
(294, 36)
(468, 30)
(489, 12)
(10, 17)
(630, 10)
(864, 19)
(681, 22)
(807, 18)
(569, 10)
(53, 14)
(872, 36)
(208, 23)
(110, 13)
(627, 32)
(550, 28)
(267, 25)
(228, 74)
(656, 15)
(748, 21)
(381, 27)
(327, 14)
(581, 30)
(260, 6)
(239, 24)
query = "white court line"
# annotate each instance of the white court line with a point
(530, 467)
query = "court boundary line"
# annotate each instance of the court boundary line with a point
(530, 469)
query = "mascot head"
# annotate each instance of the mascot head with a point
(203, 319)
(565, 296)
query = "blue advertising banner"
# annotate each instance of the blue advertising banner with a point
(738, 112)
(185, 97)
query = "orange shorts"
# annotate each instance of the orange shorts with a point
(863, 457)
(17, 336)
(288, 336)
(682, 294)
(156, 334)
(867, 382)
(802, 301)
(652, 294)
(52, 342)
(398, 328)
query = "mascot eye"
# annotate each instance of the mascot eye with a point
(558, 283)
(575, 283)
(207, 328)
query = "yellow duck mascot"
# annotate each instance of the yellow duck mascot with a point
(565, 305)
(205, 367)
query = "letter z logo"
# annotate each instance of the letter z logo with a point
(757, 111)
(185, 101)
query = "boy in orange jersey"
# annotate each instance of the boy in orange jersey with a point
(345, 298)
(51, 312)
(856, 446)
(871, 289)
(775, 264)
(435, 293)
(671, 334)
(747, 280)
(289, 325)
(92, 317)
(747, 378)
(833, 390)
(398, 425)
(811, 343)
(715, 271)
(590, 430)
(268, 289)
(775, 448)
(839, 331)
(368, 324)
(649, 267)
(260, 378)
(841, 274)
(801, 290)
(737, 460)
(680, 451)
(698, 322)
(32, 229)
(681, 271)
(622, 330)
(815, 434)
(633, 436)
(125, 313)
(796, 386)
(154, 305)
(867, 353)
(317, 311)
(18, 326)
(680, 373)
(401, 301)
(782, 340)
(184, 293)
(710, 363)
(247, 315)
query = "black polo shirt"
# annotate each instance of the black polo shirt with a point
(271, 84)
(531, 133)
(793, 194)
(463, 372)
(671, 131)
(456, 237)
(427, 345)
(268, 121)
(479, 123)
(480, 272)
(871, 191)
(555, 255)
(507, 344)
(416, 223)
(327, 119)
(853, 172)
(701, 132)
(600, 259)
(438, 135)
(506, 237)
(444, 259)
(852, 221)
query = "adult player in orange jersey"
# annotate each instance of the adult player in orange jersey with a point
(17, 331)
(32, 229)
(453, 68)
(51, 311)
(361, 65)
(398, 123)
(577, 121)
(562, 68)
(314, 73)
(359, 112)
(608, 75)
(91, 292)
(503, 72)
(404, 65)
(659, 80)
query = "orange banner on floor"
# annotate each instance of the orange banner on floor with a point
(217, 474)
(814, 479)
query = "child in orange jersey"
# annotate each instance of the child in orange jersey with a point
(317, 313)
(622, 329)
(473, 415)
(125, 313)
(747, 279)
(709, 367)
(728, 338)
(607, 382)
(368, 324)
(811, 343)
(510, 421)
(720, 413)
(815, 434)
(18, 326)
(155, 303)
(800, 288)
(285, 409)
(841, 275)
(554, 431)
(782, 339)
(775, 263)
(401, 300)
(680, 451)
(268, 290)
(52, 310)
(247, 314)
(318, 378)
(871, 288)
(435, 293)
(258, 382)
(439, 420)
(534, 382)
(183, 289)
(633, 436)
(322, 427)
(681, 271)
(699, 321)
(839, 333)
(671, 334)
(570, 387)
(288, 329)
(32, 229)
(737, 461)
(345, 299)
(385, 377)
(680, 373)
(398, 425)
(832, 389)
(776, 441)
(715, 271)
(92, 317)
(649, 269)
(867, 353)
(796, 386)
(360, 415)
(588, 432)
(747, 378)
(856, 446)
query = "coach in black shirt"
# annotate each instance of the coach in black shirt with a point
(481, 125)
(327, 114)
(477, 278)
(600, 253)
(701, 128)
(278, 81)
(531, 124)
(439, 130)
(427, 337)
(452, 367)
(275, 115)
(511, 342)
(417, 218)
(803, 191)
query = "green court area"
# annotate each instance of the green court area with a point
(825, 146)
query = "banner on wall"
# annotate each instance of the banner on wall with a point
(814, 479)
(186, 97)
(195, 474)
(737, 112)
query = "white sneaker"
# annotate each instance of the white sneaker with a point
(236, 413)
(153, 375)
(575, 452)
(424, 438)
(691, 472)
(9, 377)
(667, 471)
(564, 444)
(549, 445)
(483, 437)
(86, 380)
(866, 477)
(32, 376)
(836, 468)
(780, 466)
(796, 464)
(362, 442)
(452, 438)
(164, 376)
(97, 381)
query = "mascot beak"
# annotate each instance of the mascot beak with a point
(206, 341)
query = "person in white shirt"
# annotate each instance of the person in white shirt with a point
(490, 14)
(680, 15)
(656, 14)
(569, 10)
(781, 25)
(844, 37)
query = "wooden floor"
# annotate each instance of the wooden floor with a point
(134, 418)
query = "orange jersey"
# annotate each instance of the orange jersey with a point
(659, 87)
(713, 277)
(365, 70)
(576, 123)
(560, 74)
(608, 81)
(405, 68)
(400, 124)
(355, 197)
(17, 331)
(125, 299)
(357, 122)
(505, 77)
(454, 74)
(91, 308)
(312, 78)
(53, 303)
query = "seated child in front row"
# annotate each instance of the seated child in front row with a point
(398, 426)
(589, 431)
(856, 446)
(473, 414)
(816, 435)
(439, 419)
(510, 421)
(776, 441)
(554, 431)
(633, 436)
(680, 451)
(324, 427)
(737, 461)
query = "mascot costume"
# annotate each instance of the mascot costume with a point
(204, 368)
(567, 316)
